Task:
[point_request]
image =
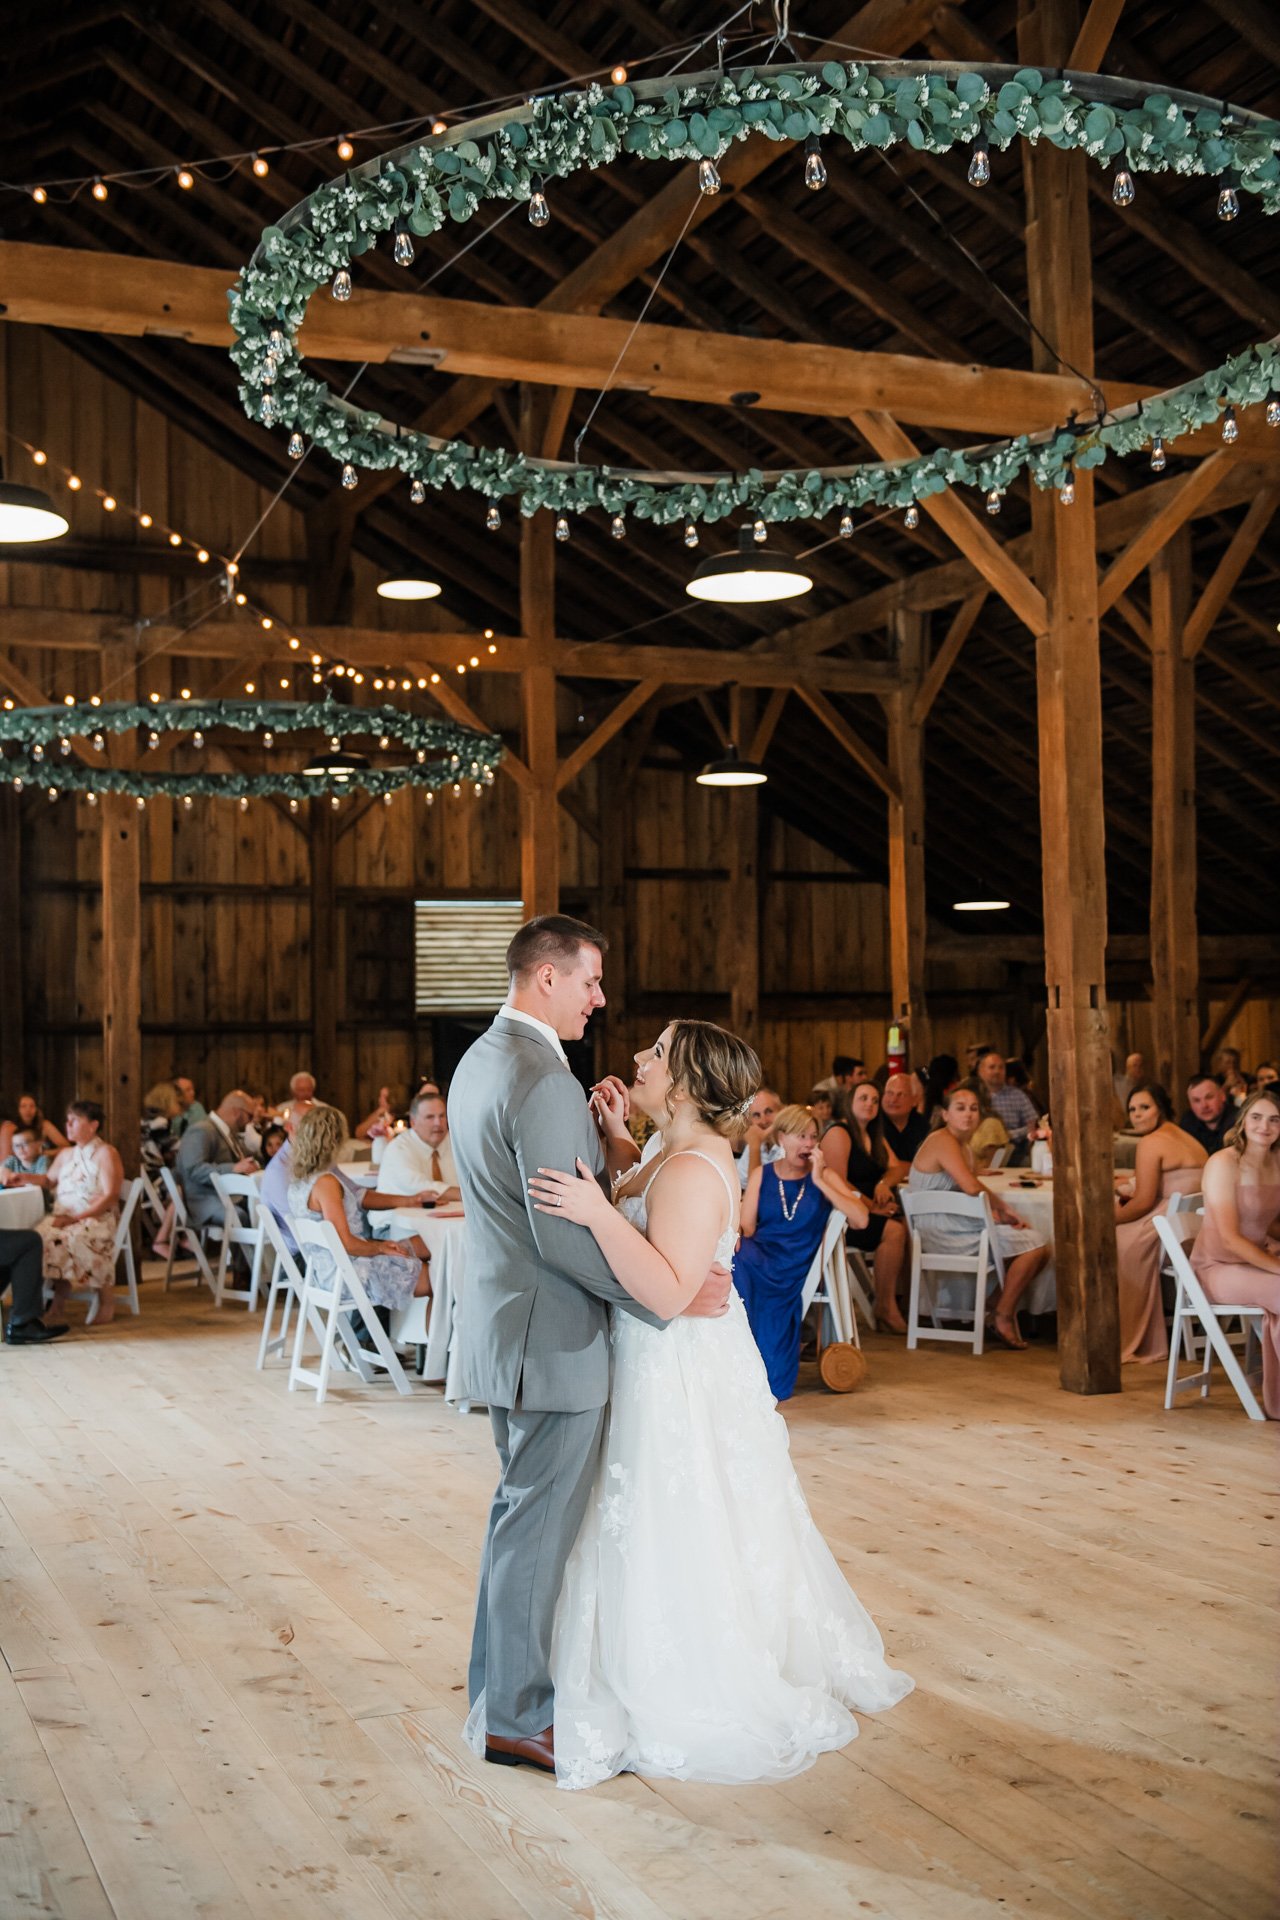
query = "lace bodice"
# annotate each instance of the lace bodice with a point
(634, 1207)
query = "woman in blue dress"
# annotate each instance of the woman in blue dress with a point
(785, 1210)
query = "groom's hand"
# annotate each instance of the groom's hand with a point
(711, 1300)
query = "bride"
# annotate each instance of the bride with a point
(704, 1630)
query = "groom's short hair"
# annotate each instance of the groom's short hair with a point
(556, 937)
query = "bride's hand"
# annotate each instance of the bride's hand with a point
(574, 1197)
(611, 1105)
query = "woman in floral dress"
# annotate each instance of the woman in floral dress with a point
(80, 1232)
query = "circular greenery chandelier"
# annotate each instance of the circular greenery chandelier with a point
(442, 754)
(932, 107)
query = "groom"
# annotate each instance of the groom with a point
(535, 1329)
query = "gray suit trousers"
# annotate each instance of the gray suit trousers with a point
(548, 1467)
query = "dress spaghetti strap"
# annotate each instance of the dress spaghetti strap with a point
(694, 1153)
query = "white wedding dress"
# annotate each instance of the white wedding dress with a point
(704, 1630)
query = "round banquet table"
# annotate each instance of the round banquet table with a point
(21, 1207)
(1035, 1206)
(444, 1233)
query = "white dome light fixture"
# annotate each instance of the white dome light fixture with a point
(980, 906)
(27, 514)
(749, 573)
(408, 589)
(732, 772)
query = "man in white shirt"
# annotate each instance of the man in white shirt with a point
(417, 1168)
(759, 1149)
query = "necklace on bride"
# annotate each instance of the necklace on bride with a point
(789, 1214)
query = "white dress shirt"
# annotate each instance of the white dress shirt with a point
(539, 1026)
(768, 1152)
(406, 1166)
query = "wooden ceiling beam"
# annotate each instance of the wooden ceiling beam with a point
(1094, 36)
(853, 743)
(1192, 492)
(1240, 550)
(962, 625)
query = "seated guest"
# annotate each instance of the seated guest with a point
(190, 1110)
(260, 1116)
(302, 1094)
(28, 1163)
(21, 1270)
(991, 1134)
(1236, 1254)
(785, 1210)
(944, 1163)
(1227, 1073)
(857, 1152)
(1008, 1103)
(1042, 1146)
(213, 1145)
(378, 1124)
(29, 1115)
(160, 1108)
(1209, 1117)
(274, 1136)
(973, 1053)
(902, 1125)
(319, 1187)
(760, 1147)
(845, 1074)
(274, 1191)
(1168, 1161)
(822, 1106)
(80, 1232)
(1266, 1074)
(1135, 1069)
(417, 1168)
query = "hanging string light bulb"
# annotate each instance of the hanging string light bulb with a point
(618, 526)
(197, 738)
(186, 179)
(1067, 491)
(995, 500)
(417, 492)
(911, 518)
(1159, 458)
(562, 527)
(269, 410)
(980, 162)
(759, 531)
(1228, 198)
(815, 172)
(276, 340)
(402, 246)
(708, 176)
(99, 189)
(297, 446)
(345, 149)
(846, 525)
(349, 475)
(1230, 427)
(187, 803)
(1123, 191)
(539, 210)
(260, 167)
(690, 534)
(340, 285)
(492, 519)
(1273, 408)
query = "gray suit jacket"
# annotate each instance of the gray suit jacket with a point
(202, 1148)
(534, 1322)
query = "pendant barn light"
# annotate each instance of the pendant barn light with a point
(980, 906)
(732, 772)
(408, 589)
(28, 514)
(335, 766)
(749, 573)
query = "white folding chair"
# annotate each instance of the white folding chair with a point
(1177, 1233)
(183, 1230)
(121, 1248)
(150, 1197)
(337, 1298)
(862, 1286)
(286, 1279)
(998, 1158)
(827, 1284)
(976, 1268)
(239, 1232)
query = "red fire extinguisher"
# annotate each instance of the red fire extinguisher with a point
(896, 1054)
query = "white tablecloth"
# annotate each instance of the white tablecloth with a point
(445, 1238)
(1035, 1206)
(21, 1206)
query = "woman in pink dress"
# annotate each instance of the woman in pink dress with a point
(1168, 1161)
(1237, 1253)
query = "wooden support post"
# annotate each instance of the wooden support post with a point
(13, 1059)
(906, 840)
(1068, 679)
(539, 812)
(1175, 958)
(121, 844)
(325, 956)
(743, 827)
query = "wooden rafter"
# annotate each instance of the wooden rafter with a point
(1242, 547)
(962, 625)
(856, 748)
(1194, 491)
(600, 736)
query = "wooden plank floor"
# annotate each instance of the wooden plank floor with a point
(234, 1629)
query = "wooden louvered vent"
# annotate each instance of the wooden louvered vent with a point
(460, 953)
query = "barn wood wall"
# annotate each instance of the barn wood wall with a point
(226, 977)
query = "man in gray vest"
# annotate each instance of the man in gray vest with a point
(535, 1323)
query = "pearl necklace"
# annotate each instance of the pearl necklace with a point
(782, 1199)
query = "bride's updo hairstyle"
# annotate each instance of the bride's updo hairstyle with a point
(720, 1073)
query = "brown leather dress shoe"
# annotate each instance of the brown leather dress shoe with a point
(530, 1750)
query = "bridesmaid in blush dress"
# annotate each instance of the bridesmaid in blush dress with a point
(1168, 1161)
(1237, 1252)
(785, 1210)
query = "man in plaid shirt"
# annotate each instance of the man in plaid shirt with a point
(1010, 1103)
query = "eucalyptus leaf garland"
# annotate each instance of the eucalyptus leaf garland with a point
(445, 754)
(929, 106)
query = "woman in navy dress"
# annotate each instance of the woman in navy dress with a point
(785, 1210)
